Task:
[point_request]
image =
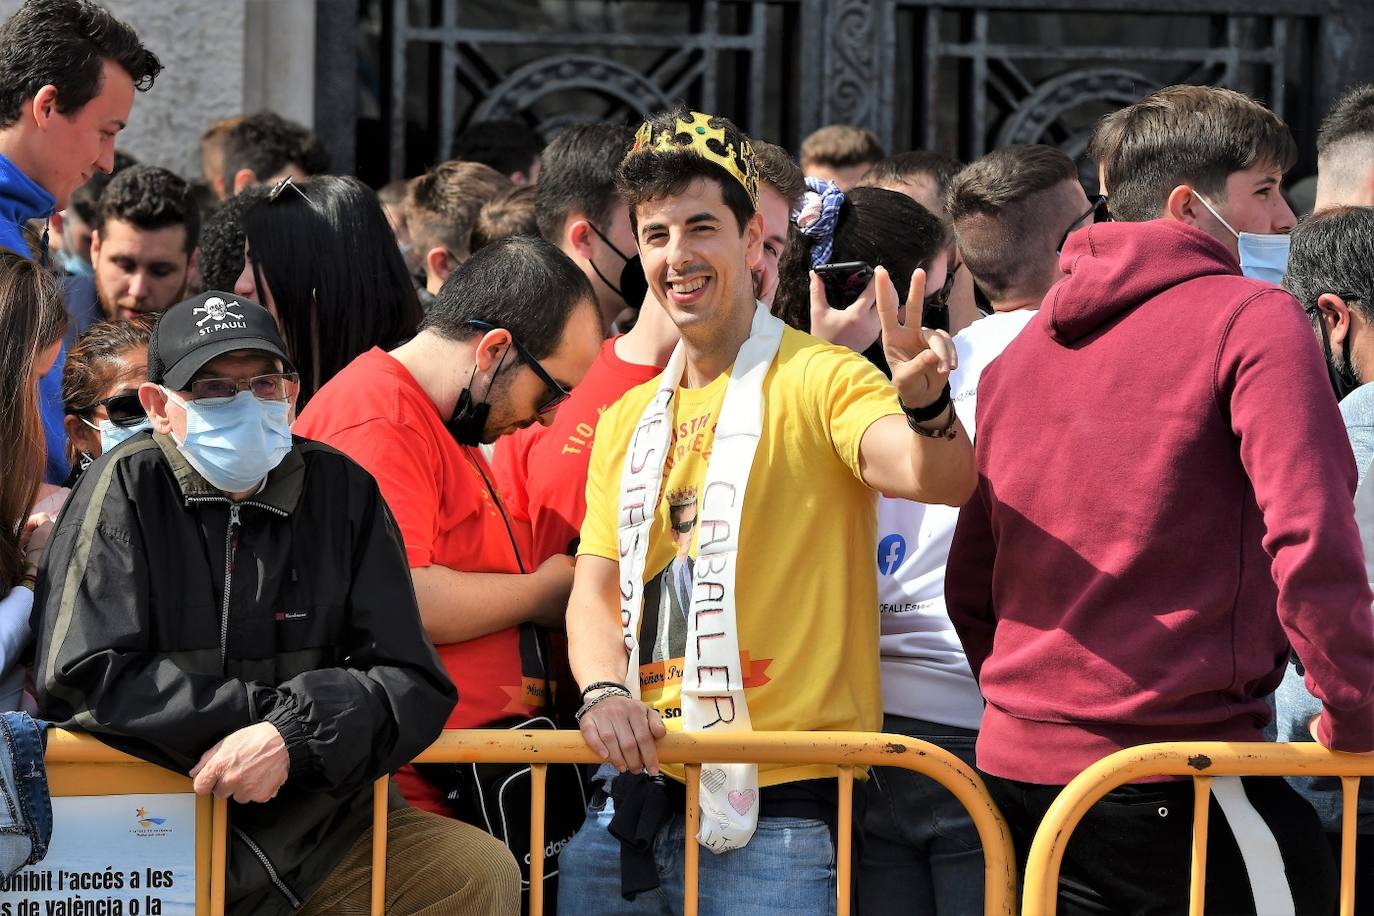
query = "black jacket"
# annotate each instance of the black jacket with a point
(168, 617)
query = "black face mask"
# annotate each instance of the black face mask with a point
(469, 418)
(1341, 372)
(633, 285)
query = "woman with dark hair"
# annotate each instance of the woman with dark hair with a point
(32, 322)
(100, 388)
(867, 226)
(321, 257)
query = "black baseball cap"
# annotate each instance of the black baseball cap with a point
(190, 334)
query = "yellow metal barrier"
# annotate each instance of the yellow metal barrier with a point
(1201, 761)
(82, 765)
(843, 750)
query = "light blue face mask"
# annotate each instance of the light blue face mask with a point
(1263, 256)
(75, 265)
(111, 434)
(235, 445)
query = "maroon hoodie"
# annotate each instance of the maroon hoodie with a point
(1161, 467)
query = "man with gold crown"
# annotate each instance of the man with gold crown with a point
(783, 440)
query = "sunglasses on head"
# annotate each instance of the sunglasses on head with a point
(1098, 211)
(557, 393)
(280, 187)
(123, 409)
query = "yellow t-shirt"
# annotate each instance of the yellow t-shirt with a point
(805, 584)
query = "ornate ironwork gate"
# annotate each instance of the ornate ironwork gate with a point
(957, 75)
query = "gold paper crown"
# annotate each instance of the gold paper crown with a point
(698, 136)
(685, 496)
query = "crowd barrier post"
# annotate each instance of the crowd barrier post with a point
(80, 765)
(843, 750)
(1202, 761)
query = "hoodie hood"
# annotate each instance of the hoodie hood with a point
(21, 199)
(1114, 267)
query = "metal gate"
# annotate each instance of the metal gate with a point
(961, 76)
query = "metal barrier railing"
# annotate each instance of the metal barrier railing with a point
(843, 750)
(1201, 760)
(81, 765)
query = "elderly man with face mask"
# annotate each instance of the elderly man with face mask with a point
(231, 603)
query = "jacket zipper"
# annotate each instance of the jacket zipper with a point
(271, 872)
(230, 548)
(231, 545)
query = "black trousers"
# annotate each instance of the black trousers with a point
(1131, 854)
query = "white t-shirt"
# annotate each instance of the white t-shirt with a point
(925, 674)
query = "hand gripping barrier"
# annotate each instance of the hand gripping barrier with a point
(81, 765)
(1201, 760)
(844, 750)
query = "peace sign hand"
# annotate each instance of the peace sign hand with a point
(920, 359)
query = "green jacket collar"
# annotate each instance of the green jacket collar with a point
(284, 483)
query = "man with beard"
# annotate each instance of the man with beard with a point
(144, 243)
(513, 328)
(1330, 274)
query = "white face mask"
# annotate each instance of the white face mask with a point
(1263, 256)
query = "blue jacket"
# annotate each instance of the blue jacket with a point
(23, 199)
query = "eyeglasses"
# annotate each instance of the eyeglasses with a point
(276, 386)
(1098, 211)
(123, 409)
(557, 393)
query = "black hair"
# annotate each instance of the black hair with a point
(578, 176)
(266, 144)
(1330, 254)
(876, 226)
(337, 279)
(505, 145)
(655, 174)
(64, 43)
(221, 240)
(1351, 116)
(523, 284)
(85, 200)
(149, 198)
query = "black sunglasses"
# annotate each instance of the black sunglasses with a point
(1098, 211)
(557, 393)
(123, 409)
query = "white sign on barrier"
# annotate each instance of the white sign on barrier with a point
(112, 855)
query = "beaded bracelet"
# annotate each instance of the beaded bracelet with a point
(590, 704)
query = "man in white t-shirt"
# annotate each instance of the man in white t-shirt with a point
(1011, 211)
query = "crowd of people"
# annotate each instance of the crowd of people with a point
(653, 428)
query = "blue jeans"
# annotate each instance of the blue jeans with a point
(25, 808)
(787, 867)
(921, 853)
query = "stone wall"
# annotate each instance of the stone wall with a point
(221, 58)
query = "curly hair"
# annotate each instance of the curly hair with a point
(149, 198)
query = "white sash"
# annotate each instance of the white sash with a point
(712, 683)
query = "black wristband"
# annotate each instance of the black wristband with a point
(603, 685)
(930, 411)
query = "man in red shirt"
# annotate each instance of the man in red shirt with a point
(513, 329)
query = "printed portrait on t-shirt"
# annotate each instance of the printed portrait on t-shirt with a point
(668, 595)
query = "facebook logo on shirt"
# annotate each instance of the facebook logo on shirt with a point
(891, 552)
